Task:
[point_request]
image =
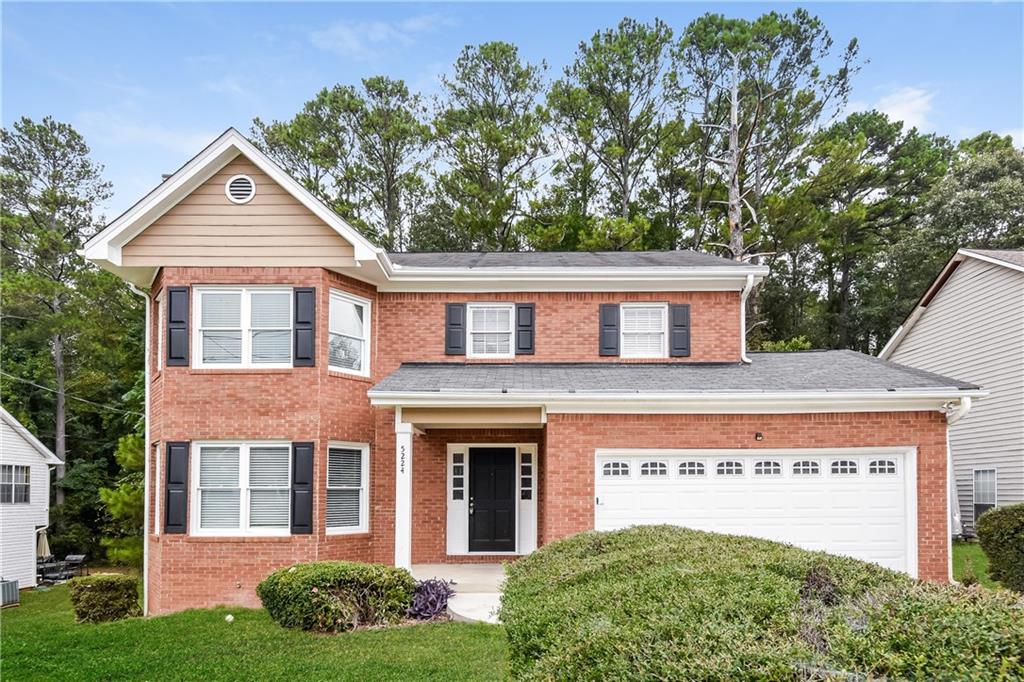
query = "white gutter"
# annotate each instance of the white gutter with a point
(955, 526)
(747, 288)
(145, 455)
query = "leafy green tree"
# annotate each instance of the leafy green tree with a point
(610, 106)
(489, 135)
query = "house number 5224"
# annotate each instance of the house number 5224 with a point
(401, 458)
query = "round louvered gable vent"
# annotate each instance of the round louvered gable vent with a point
(240, 189)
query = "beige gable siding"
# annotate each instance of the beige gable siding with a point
(205, 228)
(974, 330)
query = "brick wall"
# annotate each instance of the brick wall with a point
(568, 477)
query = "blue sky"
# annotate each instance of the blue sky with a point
(150, 84)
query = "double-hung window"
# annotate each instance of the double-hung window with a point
(490, 330)
(241, 488)
(349, 337)
(244, 327)
(15, 484)
(347, 478)
(643, 330)
(984, 491)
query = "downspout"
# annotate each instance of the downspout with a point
(953, 415)
(744, 294)
(145, 459)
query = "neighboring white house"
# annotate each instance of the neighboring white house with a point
(24, 498)
(970, 325)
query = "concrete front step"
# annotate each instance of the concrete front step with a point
(472, 607)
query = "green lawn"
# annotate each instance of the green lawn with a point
(970, 552)
(40, 640)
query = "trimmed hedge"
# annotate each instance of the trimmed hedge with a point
(105, 597)
(661, 602)
(1001, 536)
(332, 596)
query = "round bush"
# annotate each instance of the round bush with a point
(661, 602)
(1001, 536)
(332, 596)
(104, 597)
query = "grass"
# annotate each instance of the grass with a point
(965, 553)
(40, 640)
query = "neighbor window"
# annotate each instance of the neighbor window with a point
(242, 488)
(347, 469)
(643, 330)
(244, 327)
(14, 484)
(984, 491)
(615, 469)
(349, 339)
(490, 330)
(654, 469)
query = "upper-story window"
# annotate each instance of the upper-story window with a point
(15, 484)
(243, 327)
(490, 330)
(349, 338)
(643, 330)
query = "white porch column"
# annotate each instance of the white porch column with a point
(403, 492)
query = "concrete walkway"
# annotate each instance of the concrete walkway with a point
(477, 588)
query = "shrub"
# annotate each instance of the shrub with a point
(430, 599)
(1001, 536)
(660, 602)
(332, 596)
(104, 597)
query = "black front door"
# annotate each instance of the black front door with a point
(492, 499)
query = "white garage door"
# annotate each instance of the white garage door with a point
(855, 502)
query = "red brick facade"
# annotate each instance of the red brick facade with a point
(314, 404)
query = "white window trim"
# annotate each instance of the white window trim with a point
(160, 324)
(974, 487)
(367, 313)
(15, 482)
(246, 326)
(244, 529)
(511, 330)
(364, 484)
(623, 332)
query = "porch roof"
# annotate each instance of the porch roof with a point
(840, 371)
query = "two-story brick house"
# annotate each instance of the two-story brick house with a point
(311, 396)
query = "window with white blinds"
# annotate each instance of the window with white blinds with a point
(347, 476)
(244, 327)
(490, 330)
(349, 338)
(241, 488)
(643, 330)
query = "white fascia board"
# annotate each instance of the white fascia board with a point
(783, 402)
(569, 279)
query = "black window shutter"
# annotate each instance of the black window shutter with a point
(176, 487)
(455, 329)
(304, 352)
(302, 488)
(177, 326)
(608, 340)
(524, 328)
(679, 334)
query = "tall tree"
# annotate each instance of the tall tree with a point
(489, 134)
(611, 102)
(51, 189)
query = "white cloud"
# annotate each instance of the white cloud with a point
(225, 86)
(366, 39)
(119, 130)
(912, 105)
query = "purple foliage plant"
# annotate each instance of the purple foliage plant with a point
(430, 599)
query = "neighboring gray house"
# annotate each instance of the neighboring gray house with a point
(24, 498)
(970, 325)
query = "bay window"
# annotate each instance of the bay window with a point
(347, 478)
(241, 488)
(244, 327)
(348, 338)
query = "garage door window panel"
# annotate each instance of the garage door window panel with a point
(692, 468)
(768, 467)
(844, 467)
(806, 467)
(729, 467)
(615, 470)
(882, 467)
(654, 469)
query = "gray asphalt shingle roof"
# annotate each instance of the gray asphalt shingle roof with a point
(563, 259)
(837, 371)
